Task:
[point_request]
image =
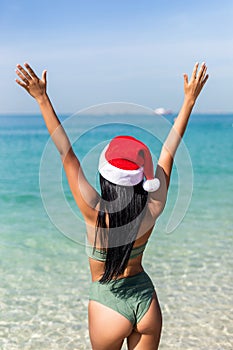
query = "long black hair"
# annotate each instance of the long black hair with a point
(120, 214)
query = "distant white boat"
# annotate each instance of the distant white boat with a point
(162, 111)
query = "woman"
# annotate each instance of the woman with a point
(123, 302)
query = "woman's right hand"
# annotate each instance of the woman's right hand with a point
(197, 81)
(31, 83)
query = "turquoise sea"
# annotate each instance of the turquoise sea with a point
(44, 274)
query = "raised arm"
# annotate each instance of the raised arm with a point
(84, 194)
(192, 89)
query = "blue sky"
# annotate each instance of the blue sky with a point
(109, 51)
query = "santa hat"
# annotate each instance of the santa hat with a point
(126, 161)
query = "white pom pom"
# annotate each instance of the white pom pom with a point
(151, 185)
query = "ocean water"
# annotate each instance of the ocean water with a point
(43, 265)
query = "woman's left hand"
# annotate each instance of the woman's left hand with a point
(30, 82)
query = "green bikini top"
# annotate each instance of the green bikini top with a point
(100, 255)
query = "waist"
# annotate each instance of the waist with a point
(97, 268)
(141, 277)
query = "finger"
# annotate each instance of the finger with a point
(44, 76)
(21, 83)
(194, 73)
(24, 72)
(22, 77)
(30, 70)
(185, 78)
(205, 80)
(203, 75)
(202, 71)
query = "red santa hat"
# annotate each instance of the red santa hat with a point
(126, 161)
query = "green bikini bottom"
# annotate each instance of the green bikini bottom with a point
(130, 296)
